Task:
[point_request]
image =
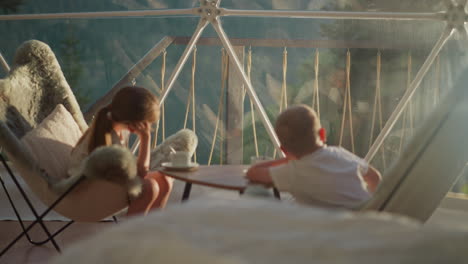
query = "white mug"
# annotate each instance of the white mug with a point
(180, 158)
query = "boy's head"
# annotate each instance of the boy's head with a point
(299, 131)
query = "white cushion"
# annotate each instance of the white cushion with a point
(52, 141)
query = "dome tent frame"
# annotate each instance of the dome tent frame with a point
(210, 12)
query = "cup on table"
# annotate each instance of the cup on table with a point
(180, 158)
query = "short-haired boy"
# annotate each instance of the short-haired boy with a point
(314, 173)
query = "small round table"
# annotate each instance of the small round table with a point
(229, 177)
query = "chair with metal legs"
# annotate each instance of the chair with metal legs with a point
(73, 202)
(38, 218)
(78, 199)
(39, 127)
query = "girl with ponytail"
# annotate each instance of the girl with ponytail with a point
(132, 109)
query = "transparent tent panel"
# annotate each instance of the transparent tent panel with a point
(95, 53)
(350, 32)
(266, 75)
(425, 100)
(207, 94)
(434, 87)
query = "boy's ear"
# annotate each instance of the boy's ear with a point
(323, 134)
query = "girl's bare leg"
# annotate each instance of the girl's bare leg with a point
(165, 187)
(145, 202)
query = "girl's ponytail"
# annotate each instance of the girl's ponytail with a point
(101, 129)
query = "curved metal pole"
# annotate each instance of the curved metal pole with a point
(175, 73)
(188, 50)
(232, 12)
(333, 15)
(4, 64)
(232, 54)
(106, 14)
(409, 93)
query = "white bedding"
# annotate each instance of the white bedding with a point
(263, 231)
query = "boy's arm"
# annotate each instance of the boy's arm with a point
(372, 178)
(270, 163)
(260, 172)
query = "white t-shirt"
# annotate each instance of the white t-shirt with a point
(328, 177)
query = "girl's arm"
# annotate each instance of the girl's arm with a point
(143, 160)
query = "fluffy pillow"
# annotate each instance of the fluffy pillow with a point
(52, 141)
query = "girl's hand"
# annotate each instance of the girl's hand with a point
(142, 129)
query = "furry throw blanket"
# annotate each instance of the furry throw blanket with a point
(32, 89)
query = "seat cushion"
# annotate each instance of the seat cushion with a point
(52, 141)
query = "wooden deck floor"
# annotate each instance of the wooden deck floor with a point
(25, 253)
